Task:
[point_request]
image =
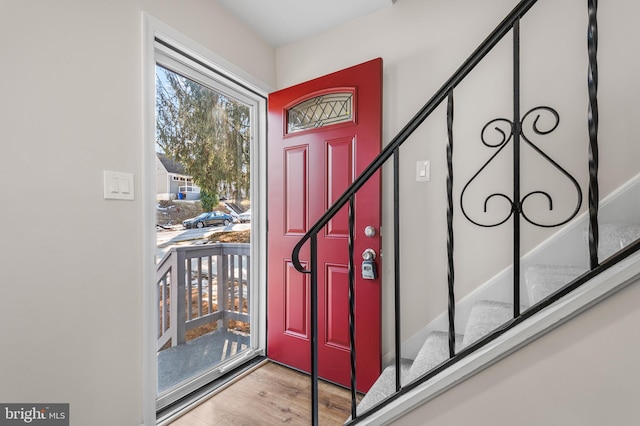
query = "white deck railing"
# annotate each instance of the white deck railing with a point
(210, 283)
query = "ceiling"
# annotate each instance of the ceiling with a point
(281, 22)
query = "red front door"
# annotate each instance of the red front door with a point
(322, 134)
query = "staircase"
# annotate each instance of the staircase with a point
(594, 252)
(551, 269)
(485, 316)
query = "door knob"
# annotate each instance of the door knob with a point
(370, 231)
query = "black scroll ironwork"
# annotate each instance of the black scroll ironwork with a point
(505, 129)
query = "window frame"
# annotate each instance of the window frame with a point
(163, 42)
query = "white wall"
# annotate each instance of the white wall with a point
(71, 265)
(422, 43)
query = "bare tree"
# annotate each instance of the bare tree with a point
(206, 131)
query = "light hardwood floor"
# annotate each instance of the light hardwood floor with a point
(270, 395)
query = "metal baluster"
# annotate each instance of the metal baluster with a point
(517, 205)
(314, 329)
(396, 268)
(352, 298)
(450, 271)
(592, 80)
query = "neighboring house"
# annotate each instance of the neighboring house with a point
(172, 182)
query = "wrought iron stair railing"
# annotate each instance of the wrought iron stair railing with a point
(511, 132)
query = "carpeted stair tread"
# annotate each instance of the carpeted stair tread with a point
(543, 280)
(614, 236)
(486, 316)
(385, 385)
(433, 352)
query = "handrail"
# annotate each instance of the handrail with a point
(485, 47)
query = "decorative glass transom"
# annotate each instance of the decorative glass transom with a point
(320, 111)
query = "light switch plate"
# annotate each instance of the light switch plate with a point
(118, 185)
(423, 171)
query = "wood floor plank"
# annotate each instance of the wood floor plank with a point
(190, 419)
(272, 395)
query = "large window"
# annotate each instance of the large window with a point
(207, 288)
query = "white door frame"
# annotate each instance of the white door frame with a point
(153, 30)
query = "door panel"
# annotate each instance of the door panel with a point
(322, 134)
(337, 307)
(339, 176)
(296, 202)
(296, 303)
